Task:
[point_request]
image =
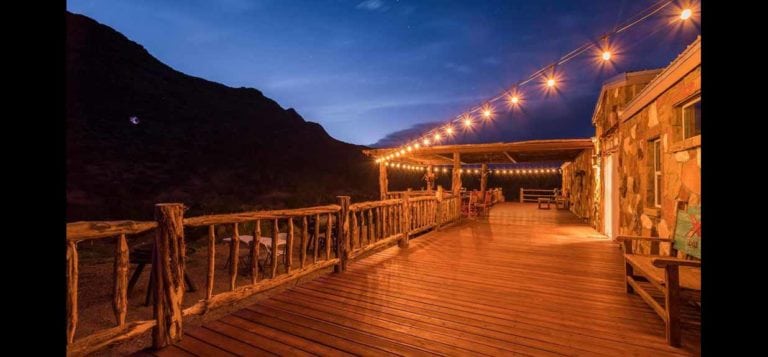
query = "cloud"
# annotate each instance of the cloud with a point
(373, 5)
(492, 61)
(541, 119)
(461, 68)
(398, 137)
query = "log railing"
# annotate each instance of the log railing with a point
(123, 330)
(412, 193)
(299, 242)
(281, 234)
(533, 195)
(375, 224)
(423, 214)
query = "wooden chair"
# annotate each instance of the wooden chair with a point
(470, 208)
(679, 279)
(484, 205)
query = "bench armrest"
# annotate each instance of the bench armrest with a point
(652, 239)
(663, 262)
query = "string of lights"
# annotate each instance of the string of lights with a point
(505, 170)
(548, 77)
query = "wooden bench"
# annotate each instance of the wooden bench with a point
(544, 200)
(679, 279)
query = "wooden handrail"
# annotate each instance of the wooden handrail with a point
(258, 215)
(349, 230)
(78, 231)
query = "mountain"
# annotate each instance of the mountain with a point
(140, 132)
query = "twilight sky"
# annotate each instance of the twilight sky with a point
(385, 70)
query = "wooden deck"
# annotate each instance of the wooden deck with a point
(522, 281)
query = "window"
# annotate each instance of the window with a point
(692, 118)
(656, 151)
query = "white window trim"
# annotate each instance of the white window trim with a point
(656, 144)
(686, 105)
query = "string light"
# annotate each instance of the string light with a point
(551, 81)
(686, 14)
(467, 121)
(487, 111)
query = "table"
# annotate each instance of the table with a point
(561, 202)
(543, 201)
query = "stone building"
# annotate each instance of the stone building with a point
(647, 152)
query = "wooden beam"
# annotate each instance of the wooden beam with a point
(447, 157)
(456, 176)
(520, 146)
(510, 157)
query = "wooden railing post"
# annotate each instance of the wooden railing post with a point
(342, 234)
(521, 195)
(168, 255)
(439, 210)
(383, 181)
(406, 221)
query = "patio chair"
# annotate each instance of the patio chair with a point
(485, 205)
(469, 207)
(679, 279)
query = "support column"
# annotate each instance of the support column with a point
(342, 234)
(383, 182)
(168, 255)
(456, 178)
(483, 180)
(430, 179)
(406, 220)
(439, 213)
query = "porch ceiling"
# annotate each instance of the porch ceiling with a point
(494, 153)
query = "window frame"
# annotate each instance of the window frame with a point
(685, 105)
(657, 171)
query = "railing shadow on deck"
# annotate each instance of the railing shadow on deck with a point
(325, 236)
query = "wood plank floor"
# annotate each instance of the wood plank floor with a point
(522, 281)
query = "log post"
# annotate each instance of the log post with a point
(672, 305)
(168, 256)
(255, 246)
(211, 261)
(120, 298)
(456, 175)
(403, 242)
(430, 179)
(483, 180)
(342, 235)
(275, 243)
(234, 255)
(439, 211)
(72, 272)
(383, 182)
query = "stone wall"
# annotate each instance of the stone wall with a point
(680, 163)
(579, 183)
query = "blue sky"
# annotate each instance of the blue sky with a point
(365, 69)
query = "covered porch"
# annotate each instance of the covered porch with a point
(522, 280)
(455, 156)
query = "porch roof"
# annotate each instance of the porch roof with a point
(492, 153)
